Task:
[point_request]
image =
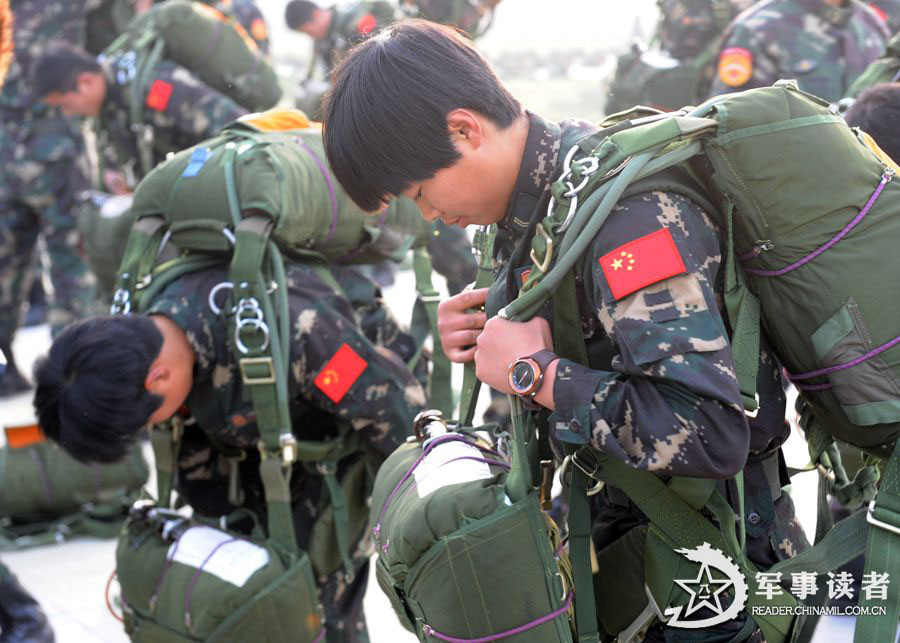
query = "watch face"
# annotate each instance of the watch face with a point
(522, 377)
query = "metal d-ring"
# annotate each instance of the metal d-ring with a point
(259, 325)
(215, 291)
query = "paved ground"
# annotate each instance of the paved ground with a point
(70, 579)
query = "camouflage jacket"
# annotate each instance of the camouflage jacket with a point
(821, 46)
(687, 27)
(37, 23)
(889, 11)
(885, 69)
(350, 24)
(177, 109)
(379, 401)
(249, 16)
(660, 390)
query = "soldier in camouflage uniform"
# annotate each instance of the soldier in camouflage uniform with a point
(659, 395)
(41, 176)
(823, 44)
(677, 69)
(177, 359)
(467, 15)
(176, 108)
(248, 16)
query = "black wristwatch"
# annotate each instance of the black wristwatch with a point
(526, 374)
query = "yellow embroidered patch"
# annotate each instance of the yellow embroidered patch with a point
(735, 66)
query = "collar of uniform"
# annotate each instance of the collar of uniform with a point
(539, 160)
(828, 13)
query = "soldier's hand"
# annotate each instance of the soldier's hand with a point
(502, 342)
(460, 327)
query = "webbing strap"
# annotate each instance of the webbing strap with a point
(883, 557)
(484, 245)
(166, 441)
(259, 344)
(142, 131)
(580, 554)
(440, 391)
(743, 314)
(686, 527)
(328, 471)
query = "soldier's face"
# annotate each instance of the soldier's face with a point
(474, 190)
(85, 100)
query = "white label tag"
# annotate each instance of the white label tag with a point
(232, 559)
(443, 467)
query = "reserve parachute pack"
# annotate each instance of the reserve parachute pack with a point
(201, 39)
(805, 203)
(258, 192)
(46, 496)
(452, 525)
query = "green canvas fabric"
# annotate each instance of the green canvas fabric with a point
(883, 70)
(283, 174)
(466, 560)
(209, 44)
(41, 481)
(168, 600)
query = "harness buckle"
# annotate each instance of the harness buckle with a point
(872, 520)
(544, 264)
(288, 444)
(251, 380)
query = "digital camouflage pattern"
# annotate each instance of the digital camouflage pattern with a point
(380, 405)
(822, 46)
(687, 27)
(180, 108)
(660, 391)
(41, 175)
(350, 24)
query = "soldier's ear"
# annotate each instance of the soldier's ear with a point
(157, 378)
(465, 128)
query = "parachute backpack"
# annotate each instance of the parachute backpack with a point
(803, 201)
(259, 189)
(47, 496)
(204, 41)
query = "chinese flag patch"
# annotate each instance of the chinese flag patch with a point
(19, 437)
(366, 24)
(159, 95)
(641, 262)
(340, 373)
(735, 66)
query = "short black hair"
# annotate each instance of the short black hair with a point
(57, 69)
(877, 112)
(90, 396)
(299, 12)
(385, 118)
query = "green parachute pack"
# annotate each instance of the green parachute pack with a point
(46, 496)
(805, 204)
(201, 39)
(668, 73)
(259, 191)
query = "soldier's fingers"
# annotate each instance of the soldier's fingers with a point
(462, 301)
(459, 339)
(460, 356)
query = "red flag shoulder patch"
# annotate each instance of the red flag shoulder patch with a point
(159, 95)
(340, 373)
(641, 262)
(366, 24)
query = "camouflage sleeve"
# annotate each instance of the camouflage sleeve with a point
(180, 103)
(54, 175)
(745, 60)
(335, 368)
(671, 403)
